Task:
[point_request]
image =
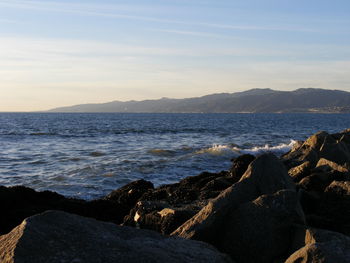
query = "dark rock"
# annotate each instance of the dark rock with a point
(261, 230)
(20, 202)
(320, 180)
(160, 216)
(57, 237)
(339, 188)
(329, 210)
(130, 193)
(322, 246)
(240, 165)
(265, 175)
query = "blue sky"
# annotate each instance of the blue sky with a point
(56, 53)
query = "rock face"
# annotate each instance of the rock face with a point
(217, 222)
(322, 246)
(57, 237)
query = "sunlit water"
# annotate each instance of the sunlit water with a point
(89, 155)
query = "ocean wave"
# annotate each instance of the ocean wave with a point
(218, 149)
(278, 149)
(162, 152)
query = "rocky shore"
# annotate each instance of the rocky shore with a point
(293, 208)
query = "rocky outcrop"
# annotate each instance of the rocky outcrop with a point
(322, 246)
(264, 209)
(332, 147)
(20, 202)
(57, 237)
(217, 222)
(262, 230)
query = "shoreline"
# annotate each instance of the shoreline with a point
(305, 191)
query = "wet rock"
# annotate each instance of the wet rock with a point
(322, 246)
(265, 175)
(58, 237)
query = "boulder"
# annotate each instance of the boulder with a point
(262, 230)
(58, 237)
(322, 246)
(265, 175)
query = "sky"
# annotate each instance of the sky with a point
(60, 53)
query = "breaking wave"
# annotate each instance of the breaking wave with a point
(218, 149)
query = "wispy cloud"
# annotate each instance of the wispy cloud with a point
(104, 10)
(194, 33)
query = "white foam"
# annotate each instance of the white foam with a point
(218, 149)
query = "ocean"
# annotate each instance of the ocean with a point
(88, 155)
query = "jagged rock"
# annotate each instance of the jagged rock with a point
(333, 147)
(58, 237)
(327, 165)
(158, 216)
(265, 175)
(20, 202)
(240, 165)
(261, 230)
(300, 171)
(322, 246)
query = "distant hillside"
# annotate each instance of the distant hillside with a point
(252, 101)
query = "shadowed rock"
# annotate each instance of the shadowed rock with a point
(265, 175)
(322, 246)
(130, 193)
(58, 237)
(240, 165)
(261, 230)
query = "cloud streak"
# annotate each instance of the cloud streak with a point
(89, 10)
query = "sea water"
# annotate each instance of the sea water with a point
(88, 155)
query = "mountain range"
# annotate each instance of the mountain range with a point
(250, 101)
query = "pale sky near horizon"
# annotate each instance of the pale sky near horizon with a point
(60, 53)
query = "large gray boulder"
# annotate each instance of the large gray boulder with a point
(59, 237)
(265, 175)
(322, 246)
